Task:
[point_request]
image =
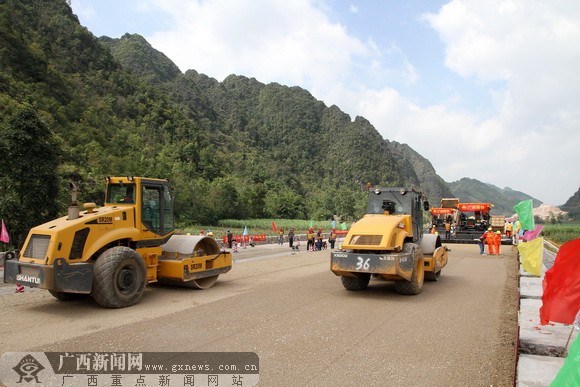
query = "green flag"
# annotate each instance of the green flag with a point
(343, 226)
(569, 374)
(311, 224)
(525, 211)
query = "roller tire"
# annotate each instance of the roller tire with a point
(430, 276)
(201, 283)
(359, 282)
(63, 296)
(415, 285)
(119, 278)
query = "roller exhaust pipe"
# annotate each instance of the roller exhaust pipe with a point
(73, 208)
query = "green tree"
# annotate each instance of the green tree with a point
(29, 184)
(223, 199)
(284, 204)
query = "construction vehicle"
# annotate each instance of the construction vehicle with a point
(388, 243)
(473, 217)
(497, 223)
(446, 213)
(468, 220)
(442, 215)
(112, 252)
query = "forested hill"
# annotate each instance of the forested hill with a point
(232, 149)
(286, 124)
(572, 206)
(504, 200)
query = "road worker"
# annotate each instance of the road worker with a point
(497, 242)
(310, 240)
(490, 240)
(319, 239)
(332, 238)
(481, 243)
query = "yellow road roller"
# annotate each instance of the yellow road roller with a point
(111, 252)
(388, 243)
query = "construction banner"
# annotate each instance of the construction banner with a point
(531, 256)
(442, 211)
(529, 235)
(561, 286)
(472, 207)
(525, 211)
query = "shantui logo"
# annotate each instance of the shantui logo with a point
(28, 369)
(27, 278)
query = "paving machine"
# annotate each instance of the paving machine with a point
(389, 243)
(112, 252)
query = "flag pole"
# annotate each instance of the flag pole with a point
(575, 325)
(567, 342)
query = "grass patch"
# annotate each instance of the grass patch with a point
(561, 233)
(259, 226)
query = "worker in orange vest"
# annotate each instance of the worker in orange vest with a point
(490, 239)
(310, 240)
(497, 242)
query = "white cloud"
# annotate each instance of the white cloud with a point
(287, 42)
(530, 47)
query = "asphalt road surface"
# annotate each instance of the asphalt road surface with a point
(304, 326)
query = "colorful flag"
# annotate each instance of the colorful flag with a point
(333, 224)
(561, 286)
(531, 256)
(274, 228)
(525, 211)
(529, 235)
(569, 374)
(245, 230)
(4, 237)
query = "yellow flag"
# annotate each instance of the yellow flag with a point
(531, 256)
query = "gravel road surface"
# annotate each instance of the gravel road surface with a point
(304, 326)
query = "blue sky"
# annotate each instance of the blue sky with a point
(487, 90)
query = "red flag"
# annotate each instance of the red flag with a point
(274, 226)
(4, 237)
(561, 297)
